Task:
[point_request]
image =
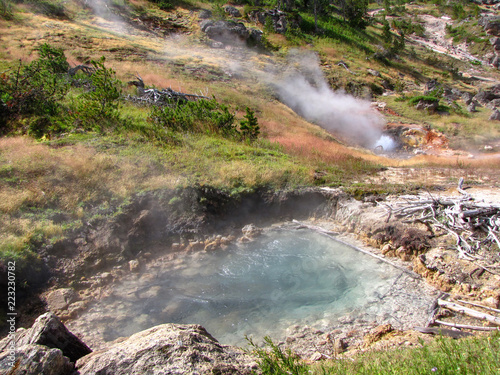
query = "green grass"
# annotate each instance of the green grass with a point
(477, 355)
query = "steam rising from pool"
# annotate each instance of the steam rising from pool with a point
(282, 279)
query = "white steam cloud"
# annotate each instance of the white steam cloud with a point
(102, 9)
(303, 88)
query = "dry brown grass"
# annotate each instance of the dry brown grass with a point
(41, 176)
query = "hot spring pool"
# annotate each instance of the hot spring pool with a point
(281, 279)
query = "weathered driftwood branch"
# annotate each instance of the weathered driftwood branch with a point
(460, 187)
(490, 271)
(470, 312)
(475, 225)
(164, 97)
(465, 326)
(435, 308)
(478, 305)
(442, 331)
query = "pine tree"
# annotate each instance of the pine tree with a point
(249, 126)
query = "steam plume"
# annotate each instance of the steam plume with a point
(304, 89)
(102, 9)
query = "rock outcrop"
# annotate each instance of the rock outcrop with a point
(429, 105)
(45, 348)
(50, 332)
(487, 95)
(491, 26)
(168, 349)
(490, 98)
(230, 32)
(495, 116)
(232, 11)
(281, 21)
(49, 348)
(35, 359)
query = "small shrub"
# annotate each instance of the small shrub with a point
(202, 116)
(408, 27)
(37, 88)
(269, 25)
(101, 101)
(163, 4)
(249, 126)
(427, 98)
(218, 12)
(275, 361)
(458, 12)
(6, 11)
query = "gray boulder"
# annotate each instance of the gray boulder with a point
(467, 97)
(495, 116)
(491, 25)
(432, 85)
(280, 20)
(60, 299)
(495, 61)
(35, 359)
(495, 42)
(374, 73)
(472, 107)
(227, 32)
(487, 95)
(452, 94)
(232, 11)
(168, 349)
(230, 33)
(428, 105)
(49, 331)
(495, 103)
(205, 14)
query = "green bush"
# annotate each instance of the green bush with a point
(37, 88)
(218, 12)
(163, 4)
(99, 105)
(427, 98)
(6, 11)
(202, 116)
(408, 27)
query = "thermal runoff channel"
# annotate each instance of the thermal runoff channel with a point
(259, 289)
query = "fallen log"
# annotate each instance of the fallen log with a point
(442, 331)
(478, 305)
(470, 312)
(465, 326)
